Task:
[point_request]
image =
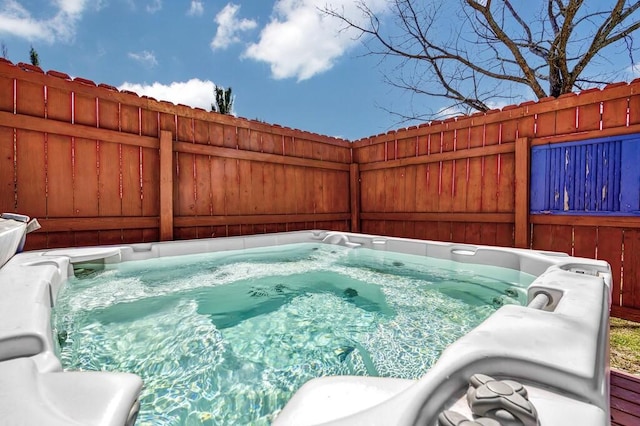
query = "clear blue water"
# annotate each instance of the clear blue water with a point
(227, 338)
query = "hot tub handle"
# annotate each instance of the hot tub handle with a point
(540, 301)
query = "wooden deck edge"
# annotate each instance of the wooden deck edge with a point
(625, 398)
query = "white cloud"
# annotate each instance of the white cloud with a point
(154, 6)
(194, 93)
(71, 6)
(229, 26)
(145, 57)
(301, 41)
(196, 8)
(17, 20)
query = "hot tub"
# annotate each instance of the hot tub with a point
(545, 363)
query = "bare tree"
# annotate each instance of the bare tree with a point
(478, 53)
(4, 51)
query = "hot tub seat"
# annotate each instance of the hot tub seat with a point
(35, 390)
(66, 398)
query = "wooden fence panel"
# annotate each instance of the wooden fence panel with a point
(473, 233)
(420, 188)
(7, 171)
(505, 234)
(490, 170)
(410, 188)
(85, 188)
(59, 177)
(610, 243)
(216, 133)
(445, 186)
(85, 170)
(29, 98)
(30, 154)
(7, 93)
(109, 175)
(270, 145)
(444, 231)
(458, 231)
(303, 200)
(388, 191)
(589, 117)
(131, 179)
(431, 195)
(633, 116)
(289, 187)
(506, 182)
(232, 187)
(585, 240)
(30, 173)
(272, 198)
(367, 190)
(257, 200)
(474, 171)
(631, 271)
(7, 168)
(546, 122)
(185, 196)
(565, 119)
(203, 204)
(614, 113)
(229, 138)
(558, 238)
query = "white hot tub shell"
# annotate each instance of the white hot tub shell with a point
(557, 346)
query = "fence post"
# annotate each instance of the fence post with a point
(354, 192)
(522, 186)
(166, 185)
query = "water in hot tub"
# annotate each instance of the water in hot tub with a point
(226, 338)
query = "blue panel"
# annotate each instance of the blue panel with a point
(570, 178)
(582, 176)
(613, 186)
(547, 179)
(600, 176)
(539, 179)
(598, 166)
(557, 176)
(630, 178)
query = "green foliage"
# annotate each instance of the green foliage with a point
(224, 100)
(625, 345)
(33, 56)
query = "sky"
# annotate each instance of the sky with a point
(286, 62)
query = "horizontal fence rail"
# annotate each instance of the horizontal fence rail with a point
(100, 166)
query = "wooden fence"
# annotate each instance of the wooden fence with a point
(468, 180)
(99, 166)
